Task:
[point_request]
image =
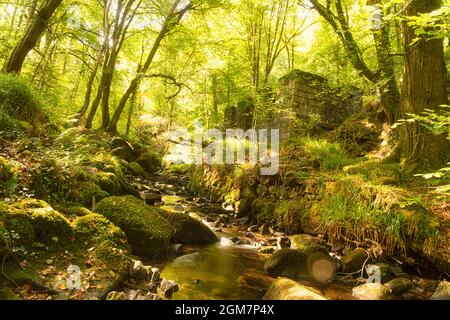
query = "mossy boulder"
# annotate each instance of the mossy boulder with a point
(50, 226)
(109, 182)
(107, 247)
(354, 260)
(311, 264)
(303, 241)
(18, 224)
(147, 230)
(137, 169)
(94, 228)
(77, 211)
(151, 161)
(187, 230)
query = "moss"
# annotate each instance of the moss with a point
(94, 228)
(8, 177)
(357, 136)
(18, 224)
(19, 99)
(147, 231)
(109, 182)
(78, 211)
(377, 172)
(31, 203)
(137, 169)
(150, 161)
(87, 193)
(262, 210)
(5, 241)
(50, 226)
(8, 294)
(187, 230)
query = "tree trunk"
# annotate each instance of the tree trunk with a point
(172, 20)
(15, 61)
(384, 77)
(424, 87)
(90, 83)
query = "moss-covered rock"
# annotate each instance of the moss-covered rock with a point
(137, 169)
(51, 226)
(150, 161)
(18, 224)
(94, 228)
(310, 264)
(77, 211)
(187, 230)
(354, 260)
(147, 230)
(109, 182)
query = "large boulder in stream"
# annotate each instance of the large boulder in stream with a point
(187, 230)
(147, 230)
(372, 291)
(313, 264)
(286, 289)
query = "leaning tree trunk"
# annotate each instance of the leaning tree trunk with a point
(424, 87)
(171, 21)
(32, 35)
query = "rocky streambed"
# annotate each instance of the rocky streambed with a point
(256, 262)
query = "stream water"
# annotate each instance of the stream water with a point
(215, 271)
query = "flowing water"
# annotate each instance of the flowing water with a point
(215, 271)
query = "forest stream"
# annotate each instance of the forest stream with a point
(233, 268)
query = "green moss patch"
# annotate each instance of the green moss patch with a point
(146, 229)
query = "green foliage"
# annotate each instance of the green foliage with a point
(432, 25)
(330, 156)
(358, 211)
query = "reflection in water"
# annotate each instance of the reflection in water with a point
(215, 272)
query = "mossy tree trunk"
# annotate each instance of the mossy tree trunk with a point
(424, 87)
(15, 61)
